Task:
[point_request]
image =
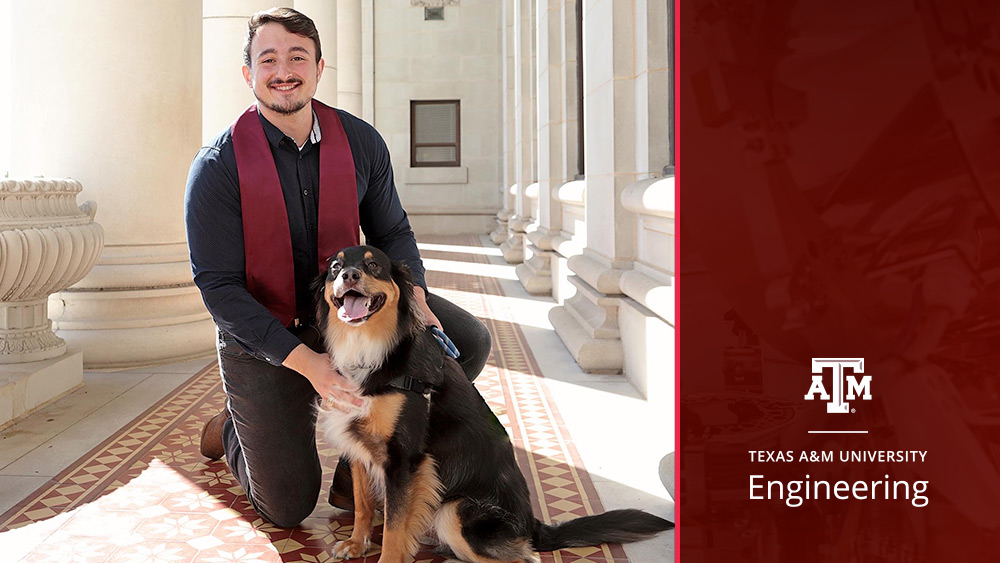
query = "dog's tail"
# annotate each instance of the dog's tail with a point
(616, 526)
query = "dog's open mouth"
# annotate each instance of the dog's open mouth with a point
(354, 307)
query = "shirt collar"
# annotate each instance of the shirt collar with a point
(316, 135)
(275, 136)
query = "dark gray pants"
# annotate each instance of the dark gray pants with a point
(270, 441)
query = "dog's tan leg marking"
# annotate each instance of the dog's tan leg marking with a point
(449, 530)
(410, 516)
(364, 510)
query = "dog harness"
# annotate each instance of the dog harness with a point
(430, 379)
(407, 383)
(267, 240)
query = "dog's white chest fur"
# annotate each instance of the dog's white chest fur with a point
(356, 355)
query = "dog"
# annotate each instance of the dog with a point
(425, 438)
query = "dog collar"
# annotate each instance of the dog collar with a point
(407, 383)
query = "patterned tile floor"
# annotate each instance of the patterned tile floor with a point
(146, 494)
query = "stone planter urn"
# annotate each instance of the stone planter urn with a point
(47, 244)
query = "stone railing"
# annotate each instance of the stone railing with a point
(650, 282)
(47, 243)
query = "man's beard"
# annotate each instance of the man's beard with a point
(289, 109)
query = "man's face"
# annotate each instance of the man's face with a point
(283, 70)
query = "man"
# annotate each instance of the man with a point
(267, 202)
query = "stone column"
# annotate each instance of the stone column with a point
(507, 195)
(536, 272)
(349, 56)
(368, 61)
(325, 14)
(646, 316)
(569, 239)
(224, 92)
(614, 158)
(524, 119)
(122, 115)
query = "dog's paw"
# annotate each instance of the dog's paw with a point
(444, 551)
(350, 548)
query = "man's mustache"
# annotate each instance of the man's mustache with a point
(280, 82)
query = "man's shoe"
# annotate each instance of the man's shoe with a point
(211, 436)
(342, 489)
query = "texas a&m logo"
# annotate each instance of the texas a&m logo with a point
(845, 387)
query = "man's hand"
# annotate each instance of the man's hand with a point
(429, 317)
(333, 388)
(432, 321)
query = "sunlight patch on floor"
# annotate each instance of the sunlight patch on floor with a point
(525, 312)
(495, 251)
(643, 442)
(471, 269)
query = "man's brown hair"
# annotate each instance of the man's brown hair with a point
(293, 22)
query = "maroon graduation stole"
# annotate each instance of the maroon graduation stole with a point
(267, 240)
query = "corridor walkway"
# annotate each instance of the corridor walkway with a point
(112, 471)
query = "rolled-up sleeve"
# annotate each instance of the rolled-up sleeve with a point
(213, 219)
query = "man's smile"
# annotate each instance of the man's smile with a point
(286, 87)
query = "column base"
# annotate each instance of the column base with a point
(499, 234)
(130, 328)
(655, 294)
(565, 248)
(26, 333)
(667, 474)
(27, 387)
(513, 248)
(534, 273)
(648, 343)
(137, 307)
(522, 224)
(588, 326)
(562, 290)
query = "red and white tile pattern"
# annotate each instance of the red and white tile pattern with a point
(147, 495)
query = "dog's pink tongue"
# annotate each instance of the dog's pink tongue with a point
(354, 308)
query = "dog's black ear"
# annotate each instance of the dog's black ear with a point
(318, 288)
(410, 314)
(402, 276)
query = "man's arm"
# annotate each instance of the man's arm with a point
(214, 223)
(383, 220)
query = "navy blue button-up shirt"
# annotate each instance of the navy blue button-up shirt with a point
(214, 222)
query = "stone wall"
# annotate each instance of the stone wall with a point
(457, 58)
